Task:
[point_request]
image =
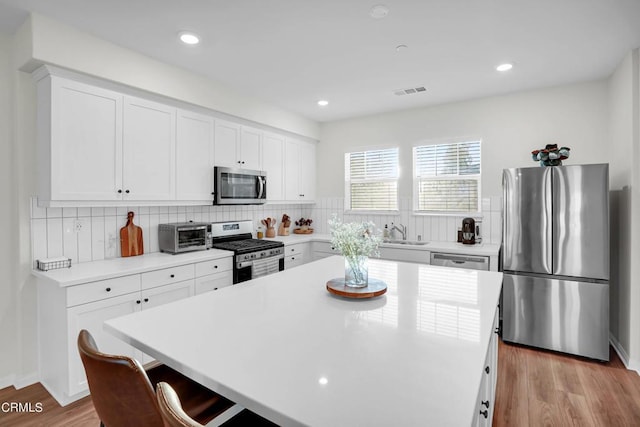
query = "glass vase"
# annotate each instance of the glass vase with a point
(356, 271)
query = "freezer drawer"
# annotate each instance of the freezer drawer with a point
(460, 261)
(562, 315)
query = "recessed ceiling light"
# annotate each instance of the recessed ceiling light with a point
(189, 38)
(504, 67)
(379, 11)
(323, 103)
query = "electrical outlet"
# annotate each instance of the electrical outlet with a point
(79, 224)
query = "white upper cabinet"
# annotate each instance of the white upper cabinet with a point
(194, 157)
(79, 141)
(237, 146)
(273, 164)
(227, 144)
(300, 170)
(149, 147)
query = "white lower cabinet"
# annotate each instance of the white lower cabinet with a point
(323, 250)
(91, 316)
(64, 311)
(487, 394)
(213, 275)
(296, 254)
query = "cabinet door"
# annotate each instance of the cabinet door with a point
(213, 282)
(273, 164)
(291, 170)
(307, 170)
(149, 148)
(91, 317)
(164, 295)
(227, 144)
(86, 141)
(194, 157)
(250, 148)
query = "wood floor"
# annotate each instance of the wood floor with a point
(535, 388)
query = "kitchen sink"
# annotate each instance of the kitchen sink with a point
(406, 242)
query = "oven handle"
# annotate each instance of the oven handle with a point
(244, 264)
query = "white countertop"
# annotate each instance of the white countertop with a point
(108, 268)
(484, 249)
(284, 347)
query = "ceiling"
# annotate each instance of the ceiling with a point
(291, 53)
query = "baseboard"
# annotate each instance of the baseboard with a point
(630, 364)
(7, 381)
(25, 380)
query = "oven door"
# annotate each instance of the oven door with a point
(191, 238)
(239, 186)
(248, 270)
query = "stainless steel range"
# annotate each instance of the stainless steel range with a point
(252, 257)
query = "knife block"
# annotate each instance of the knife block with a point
(283, 231)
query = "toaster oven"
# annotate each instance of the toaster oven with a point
(180, 237)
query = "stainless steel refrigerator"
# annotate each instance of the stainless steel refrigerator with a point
(555, 258)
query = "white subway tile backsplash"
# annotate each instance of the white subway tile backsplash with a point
(39, 238)
(54, 212)
(69, 212)
(54, 237)
(84, 212)
(97, 238)
(36, 211)
(70, 239)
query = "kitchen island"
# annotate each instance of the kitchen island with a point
(282, 346)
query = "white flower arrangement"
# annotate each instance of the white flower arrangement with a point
(354, 239)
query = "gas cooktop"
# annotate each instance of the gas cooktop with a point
(247, 245)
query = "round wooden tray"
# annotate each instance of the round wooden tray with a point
(299, 231)
(375, 288)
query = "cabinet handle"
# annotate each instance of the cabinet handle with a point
(213, 194)
(146, 300)
(138, 302)
(215, 266)
(119, 191)
(173, 275)
(496, 330)
(215, 289)
(485, 413)
(487, 370)
(485, 403)
(108, 289)
(293, 258)
(238, 161)
(126, 191)
(242, 162)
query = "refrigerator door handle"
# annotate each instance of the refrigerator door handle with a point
(547, 233)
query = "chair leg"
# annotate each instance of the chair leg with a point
(101, 424)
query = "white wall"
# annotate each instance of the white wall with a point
(510, 128)
(624, 117)
(7, 219)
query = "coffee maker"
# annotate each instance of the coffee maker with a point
(468, 231)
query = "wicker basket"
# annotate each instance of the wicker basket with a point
(53, 263)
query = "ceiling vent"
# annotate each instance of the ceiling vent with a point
(410, 91)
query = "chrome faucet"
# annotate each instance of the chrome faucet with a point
(402, 230)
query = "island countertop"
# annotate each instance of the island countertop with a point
(284, 347)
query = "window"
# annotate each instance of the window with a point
(371, 180)
(447, 177)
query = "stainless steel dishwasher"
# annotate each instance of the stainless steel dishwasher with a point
(460, 261)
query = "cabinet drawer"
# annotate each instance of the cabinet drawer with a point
(293, 261)
(214, 266)
(214, 282)
(167, 275)
(96, 291)
(294, 249)
(325, 247)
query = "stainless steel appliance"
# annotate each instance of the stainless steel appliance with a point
(460, 261)
(180, 237)
(239, 186)
(252, 257)
(555, 258)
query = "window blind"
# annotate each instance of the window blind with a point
(372, 179)
(447, 177)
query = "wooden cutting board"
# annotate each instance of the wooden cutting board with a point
(131, 238)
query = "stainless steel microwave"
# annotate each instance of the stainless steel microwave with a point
(239, 186)
(177, 237)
